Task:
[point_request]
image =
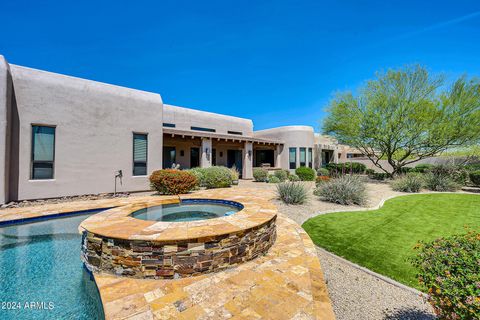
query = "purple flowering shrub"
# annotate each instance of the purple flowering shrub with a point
(449, 268)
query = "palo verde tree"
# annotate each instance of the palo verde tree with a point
(406, 115)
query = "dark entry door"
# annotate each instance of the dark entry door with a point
(194, 157)
(234, 157)
(169, 156)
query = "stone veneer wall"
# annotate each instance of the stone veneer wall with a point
(160, 260)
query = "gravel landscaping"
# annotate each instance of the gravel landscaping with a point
(355, 293)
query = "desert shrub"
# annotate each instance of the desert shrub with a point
(405, 170)
(172, 181)
(345, 190)
(292, 192)
(370, 172)
(199, 173)
(438, 182)
(234, 173)
(305, 173)
(423, 167)
(475, 177)
(323, 172)
(411, 182)
(378, 176)
(282, 175)
(449, 269)
(217, 177)
(273, 179)
(260, 174)
(321, 179)
(293, 177)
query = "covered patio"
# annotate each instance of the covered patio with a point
(191, 149)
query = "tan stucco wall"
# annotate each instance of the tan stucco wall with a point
(184, 118)
(94, 126)
(293, 137)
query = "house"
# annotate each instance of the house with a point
(63, 136)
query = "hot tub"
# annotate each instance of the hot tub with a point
(163, 238)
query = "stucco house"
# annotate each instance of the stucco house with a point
(63, 136)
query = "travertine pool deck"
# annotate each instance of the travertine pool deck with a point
(286, 283)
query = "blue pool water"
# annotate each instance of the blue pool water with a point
(189, 210)
(41, 274)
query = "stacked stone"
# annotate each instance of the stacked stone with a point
(185, 258)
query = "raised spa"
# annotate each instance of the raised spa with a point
(172, 237)
(189, 210)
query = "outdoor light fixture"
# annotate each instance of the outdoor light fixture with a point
(249, 154)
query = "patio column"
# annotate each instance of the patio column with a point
(335, 155)
(277, 155)
(206, 153)
(247, 171)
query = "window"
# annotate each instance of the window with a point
(140, 146)
(194, 157)
(292, 155)
(202, 129)
(43, 152)
(303, 157)
(310, 157)
(169, 125)
(235, 132)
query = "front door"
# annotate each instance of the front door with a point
(169, 156)
(234, 158)
(194, 157)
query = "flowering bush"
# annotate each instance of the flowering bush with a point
(321, 179)
(449, 268)
(172, 181)
(305, 173)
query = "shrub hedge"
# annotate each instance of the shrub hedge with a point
(217, 177)
(273, 179)
(293, 177)
(449, 269)
(323, 172)
(172, 181)
(305, 173)
(475, 177)
(346, 168)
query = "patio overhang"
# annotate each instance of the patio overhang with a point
(220, 137)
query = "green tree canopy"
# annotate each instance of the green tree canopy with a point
(406, 115)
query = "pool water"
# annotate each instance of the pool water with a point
(188, 211)
(41, 274)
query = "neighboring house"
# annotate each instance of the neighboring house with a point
(65, 136)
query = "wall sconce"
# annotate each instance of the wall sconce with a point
(249, 154)
(207, 150)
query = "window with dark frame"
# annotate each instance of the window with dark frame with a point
(140, 149)
(169, 125)
(310, 157)
(43, 152)
(303, 157)
(292, 156)
(238, 133)
(203, 129)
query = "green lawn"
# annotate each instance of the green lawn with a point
(382, 240)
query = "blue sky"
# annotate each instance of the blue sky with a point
(276, 62)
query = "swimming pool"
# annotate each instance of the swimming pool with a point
(189, 210)
(41, 274)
